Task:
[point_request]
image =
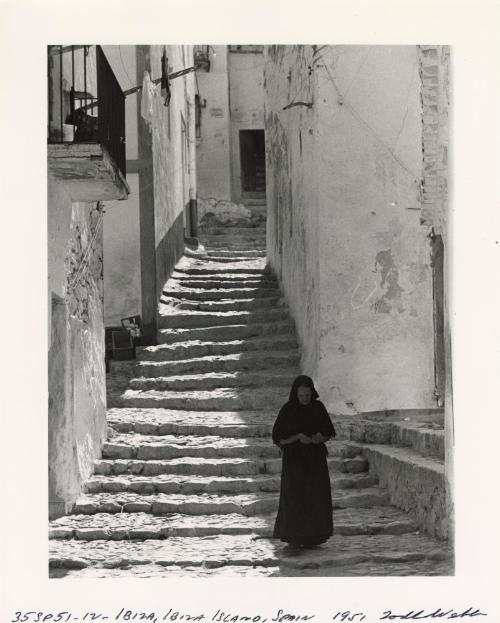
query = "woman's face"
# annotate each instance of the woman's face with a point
(304, 394)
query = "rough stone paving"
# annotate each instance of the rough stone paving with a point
(188, 482)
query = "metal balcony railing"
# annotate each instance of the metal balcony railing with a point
(86, 102)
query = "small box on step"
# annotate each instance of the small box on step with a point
(122, 345)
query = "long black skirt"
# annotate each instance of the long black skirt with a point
(305, 504)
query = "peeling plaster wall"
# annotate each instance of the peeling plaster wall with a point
(376, 296)
(76, 412)
(246, 97)
(292, 209)
(363, 305)
(213, 147)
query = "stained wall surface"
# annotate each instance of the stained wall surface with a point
(213, 150)
(76, 413)
(355, 200)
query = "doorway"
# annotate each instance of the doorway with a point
(253, 162)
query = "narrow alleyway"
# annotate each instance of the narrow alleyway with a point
(189, 479)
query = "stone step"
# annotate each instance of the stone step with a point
(422, 433)
(256, 198)
(160, 504)
(416, 484)
(343, 568)
(223, 398)
(199, 348)
(222, 276)
(214, 243)
(171, 483)
(199, 466)
(225, 333)
(107, 526)
(246, 550)
(229, 244)
(235, 362)
(235, 252)
(233, 232)
(211, 269)
(219, 283)
(200, 259)
(234, 258)
(210, 504)
(225, 305)
(248, 233)
(423, 440)
(243, 232)
(197, 271)
(170, 319)
(211, 381)
(205, 294)
(189, 466)
(233, 261)
(241, 424)
(155, 447)
(231, 425)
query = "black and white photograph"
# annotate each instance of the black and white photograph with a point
(250, 311)
(249, 363)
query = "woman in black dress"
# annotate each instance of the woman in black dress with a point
(301, 429)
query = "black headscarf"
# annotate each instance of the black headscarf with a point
(300, 381)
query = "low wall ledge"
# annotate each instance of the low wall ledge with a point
(87, 171)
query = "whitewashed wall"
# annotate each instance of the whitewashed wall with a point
(353, 164)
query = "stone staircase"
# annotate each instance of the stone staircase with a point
(188, 481)
(408, 455)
